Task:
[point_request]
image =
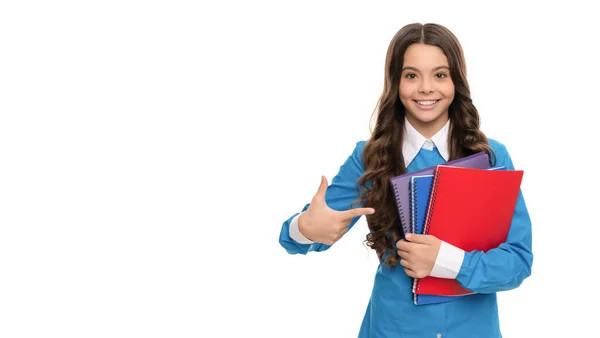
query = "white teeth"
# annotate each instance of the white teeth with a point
(426, 103)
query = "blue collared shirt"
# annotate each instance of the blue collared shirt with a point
(391, 311)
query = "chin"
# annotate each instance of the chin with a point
(427, 117)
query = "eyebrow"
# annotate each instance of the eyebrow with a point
(416, 70)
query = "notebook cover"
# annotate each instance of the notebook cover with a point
(400, 184)
(420, 188)
(471, 209)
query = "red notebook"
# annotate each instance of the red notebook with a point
(471, 209)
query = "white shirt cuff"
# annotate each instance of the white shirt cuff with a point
(295, 232)
(448, 261)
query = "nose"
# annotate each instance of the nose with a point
(426, 87)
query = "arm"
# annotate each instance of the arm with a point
(340, 196)
(506, 266)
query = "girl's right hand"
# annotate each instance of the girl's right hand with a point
(321, 224)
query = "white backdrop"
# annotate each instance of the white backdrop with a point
(151, 150)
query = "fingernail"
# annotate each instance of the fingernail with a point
(407, 236)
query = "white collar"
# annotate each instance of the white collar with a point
(413, 142)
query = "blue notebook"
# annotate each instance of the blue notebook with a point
(420, 190)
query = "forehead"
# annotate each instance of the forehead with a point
(422, 56)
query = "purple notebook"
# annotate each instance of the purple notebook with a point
(400, 184)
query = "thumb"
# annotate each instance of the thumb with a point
(416, 238)
(320, 195)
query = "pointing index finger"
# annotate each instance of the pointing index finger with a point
(357, 212)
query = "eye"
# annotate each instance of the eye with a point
(441, 75)
(410, 76)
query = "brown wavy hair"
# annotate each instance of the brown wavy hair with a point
(382, 155)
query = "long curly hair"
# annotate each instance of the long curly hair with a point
(382, 155)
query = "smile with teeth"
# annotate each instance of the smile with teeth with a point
(427, 103)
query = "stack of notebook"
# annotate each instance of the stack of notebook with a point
(465, 203)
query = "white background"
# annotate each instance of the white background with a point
(151, 150)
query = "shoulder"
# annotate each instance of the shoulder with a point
(497, 147)
(500, 153)
(356, 157)
(360, 146)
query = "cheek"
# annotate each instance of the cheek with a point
(405, 91)
(448, 90)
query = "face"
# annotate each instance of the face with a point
(426, 89)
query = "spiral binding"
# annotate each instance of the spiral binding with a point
(413, 186)
(434, 187)
(400, 213)
(413, 209)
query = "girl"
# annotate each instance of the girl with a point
(425, 117)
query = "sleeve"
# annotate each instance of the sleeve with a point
(448, 261)
(295, 233)
(506, 266)
(342, 194)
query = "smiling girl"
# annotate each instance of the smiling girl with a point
(425, 117)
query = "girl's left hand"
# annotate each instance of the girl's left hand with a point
(418, 254)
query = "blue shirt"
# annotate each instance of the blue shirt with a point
(391, 311)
